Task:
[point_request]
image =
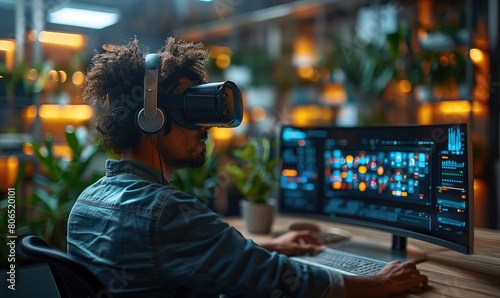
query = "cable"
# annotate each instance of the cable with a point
(159, 157)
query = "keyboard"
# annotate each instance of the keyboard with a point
(342, 262)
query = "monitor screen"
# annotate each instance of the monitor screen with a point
(411, 181)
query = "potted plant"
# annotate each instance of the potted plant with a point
(46, 208)
(254, 174)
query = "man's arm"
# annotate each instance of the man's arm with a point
(292, 243)
(395, 278)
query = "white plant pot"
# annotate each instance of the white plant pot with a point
(258, 218)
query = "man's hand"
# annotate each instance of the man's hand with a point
(395, 278)
(294, 242)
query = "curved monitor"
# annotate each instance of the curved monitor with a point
(411, 181)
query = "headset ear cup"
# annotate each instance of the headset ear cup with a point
(152, 125)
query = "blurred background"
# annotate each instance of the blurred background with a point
(314, 62)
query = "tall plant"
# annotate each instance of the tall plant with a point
(57, 186)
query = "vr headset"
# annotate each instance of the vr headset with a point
(213, 104)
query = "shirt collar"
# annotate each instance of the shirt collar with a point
(115, 167)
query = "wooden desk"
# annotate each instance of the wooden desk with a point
(451, 274)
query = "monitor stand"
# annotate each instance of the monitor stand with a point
(380, 251)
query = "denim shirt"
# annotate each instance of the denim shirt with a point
(145, 238)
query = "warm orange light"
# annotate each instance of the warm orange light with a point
(481, 92)
(362, 186)
(289, 172)
(380, 171)
(32, 75)
(244, 120)
(456, 106)
(66, 112)
(221, 134)
(258, 114)
(9, 47)
(9, 167)
(77, 41)
(424, 113)
(30, 112)
(311, 114)
(32, 35)
(53, 75)
(453, 59)
(306, 72)
(303, 51)
(337, 185)
(78, 78)
(404, 86)
(334, 94)
(62, 76)
(362, 169)
(303, 45)
(444, 61)
(425, 13)
(460, 106)
(476, 55)
(61, 112)
(223, 61)
(28, 149)
(422, 34)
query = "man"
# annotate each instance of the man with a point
(141, 237)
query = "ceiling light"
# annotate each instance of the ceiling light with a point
(85, 16)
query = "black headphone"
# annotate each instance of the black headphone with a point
(151, 119)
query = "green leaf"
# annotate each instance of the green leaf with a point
(49, 157)
(253, 169)
(383, 79)
(86, 157)
(195, 181)
(393, 41)
(49, 201)
(20, 174)
(73, 143)
(367, 74)
(46, 158)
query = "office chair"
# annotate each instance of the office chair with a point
(71, 278)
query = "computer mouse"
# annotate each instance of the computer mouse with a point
(304, 225)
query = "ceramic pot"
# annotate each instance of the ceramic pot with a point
(258, 217)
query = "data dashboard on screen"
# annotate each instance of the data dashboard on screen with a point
(413, 181)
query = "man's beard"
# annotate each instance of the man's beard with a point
(191, 163)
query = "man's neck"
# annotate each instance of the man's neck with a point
(147, 152)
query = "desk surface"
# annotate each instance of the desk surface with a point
(451, 274)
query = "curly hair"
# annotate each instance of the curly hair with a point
(115, 79)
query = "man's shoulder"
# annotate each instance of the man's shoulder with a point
(128, 191)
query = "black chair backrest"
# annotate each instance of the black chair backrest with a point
(72, 279)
